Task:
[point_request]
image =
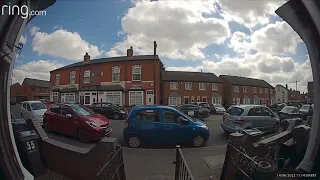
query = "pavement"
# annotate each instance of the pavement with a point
(156, 162)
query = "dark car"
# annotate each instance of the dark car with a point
(218, 109)
(194, 111)
(306, 110)
(13, 101)
(109, 110)
(206, 106)
(289, 112)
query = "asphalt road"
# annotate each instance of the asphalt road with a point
(217, 137)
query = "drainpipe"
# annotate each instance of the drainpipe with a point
(304, 17)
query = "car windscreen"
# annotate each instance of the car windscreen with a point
(218, 105)
(289, 110)
(190, 118)
(305, 107)
(204, 104)
(235, 111)
(38, 106)
(81, 110)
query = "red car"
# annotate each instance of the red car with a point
(77, 121)
(45, 102)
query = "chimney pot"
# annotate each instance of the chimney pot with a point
(86, 57)
(130, 52)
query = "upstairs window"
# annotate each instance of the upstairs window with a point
(73, 78)
(115, 74)
(236, 88)
(254, 90)
(173, 85)
(202, 86)
(244, 88)
(57, 79)
(215, 86)
(86, 76)
(136, 73)
(188, 86)
(266, 90)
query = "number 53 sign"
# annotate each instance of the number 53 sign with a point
(30, 145)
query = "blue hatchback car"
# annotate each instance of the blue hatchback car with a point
(163, 124)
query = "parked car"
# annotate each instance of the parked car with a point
(194, 111)
(33, 110)
(163, 124)
(306, 110)
(77, 121)
(205, 105)
(109, 110)
(13, 101)
(289, 112)
(45, 102)
(242, 117)
(218, 109)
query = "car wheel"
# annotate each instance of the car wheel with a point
(276, 127)
(198, 141)
(265, 168)
(83, 135)
(46, 126)
(116, 116)
(200, 116)
(134, 141)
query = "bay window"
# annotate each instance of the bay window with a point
(136, 98)
(174, 101)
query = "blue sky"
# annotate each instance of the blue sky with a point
(221, 37)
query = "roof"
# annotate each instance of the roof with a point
(68, 90)
(37, 82)
(111, 87)
(110, 59)
(245, 81)
(282, 86)
(190, 76)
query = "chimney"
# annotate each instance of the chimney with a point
(287, 86)
(86, 58)
(130, 52)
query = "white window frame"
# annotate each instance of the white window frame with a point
(68, 96)
(136, 76)
(135, 92)
(188, 85)
(174, 85)
(256, 101)
(205, 98)
(174, 101)
(203, 88)
(245, 89)
(216, 100)
(215, 86)
(236, 88)
(198, 98)
(246, 101)
(114, 97)
(57, 83)
(73, 78)
(254, 89)
(116, 74)
(55, 96)
(86, 76)
(266, 90)
(192, 99)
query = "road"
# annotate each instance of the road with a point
(217, 136)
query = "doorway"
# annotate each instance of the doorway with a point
(150, 97)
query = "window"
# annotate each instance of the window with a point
(216, 100)
(114, 98)
(198, 98)
(256, 101)
(173, 85)
(186, 100)
(246, 101)
(266, 112)
(57, 79)
(254, 90)
(28, 107)
(192, 99)
(86, 77)
(55, 97)
(171, 117)
(266, 90)
(87, 100)
(69, 97)
(55, 109)
(136, 98)
(235, 111)
(115, 74)
(136, 73)
(174, 101)
(255, 112)
(215, 86)
(202, 86)
(148, 115)
(72, 77)
(260, 90)
(188, 86)
(65, 111)
(244, 88)
(236, 88)
(204, 98)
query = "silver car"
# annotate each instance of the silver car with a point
(33, 110)
(239, 117)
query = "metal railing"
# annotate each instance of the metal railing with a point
(114, 168)
(182, 170)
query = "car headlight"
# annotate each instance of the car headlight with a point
(92, 124)
(122, 111)
(205, 127)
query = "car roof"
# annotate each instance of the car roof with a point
(246, 106)
(152, 107)
(32, 101)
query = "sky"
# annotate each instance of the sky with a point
(230, 37)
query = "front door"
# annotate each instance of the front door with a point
(150, 98)
(186, 100)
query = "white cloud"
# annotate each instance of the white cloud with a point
(179, 27)
(62, 43)
(23, 39)
(35, 69)
(249, 12)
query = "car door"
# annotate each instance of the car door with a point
(174, 130)
(269, 118)
(96, 108)
(148, 126)
(255, 117)
(68, 121)
(29, 114)
(107, 110)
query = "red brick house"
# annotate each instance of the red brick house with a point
(180, 87)
(124, 80)
(31, 89)
(243, 90)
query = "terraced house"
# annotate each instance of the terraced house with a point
(180, 87)
(124, 80)
(243, 90)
